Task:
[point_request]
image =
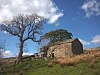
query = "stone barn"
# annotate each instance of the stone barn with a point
(63, 48)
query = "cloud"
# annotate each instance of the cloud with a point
(91, 8)
(54, 18)
(5, 32)
(8, 53)
(84, 42)
(26, 53)
(46, 8)
(96, 39)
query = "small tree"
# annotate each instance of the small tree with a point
(24, 27)
(58, 35)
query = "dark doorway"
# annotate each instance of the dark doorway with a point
(52, 55)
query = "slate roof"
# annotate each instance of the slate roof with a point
(71, 40)
(58, 43)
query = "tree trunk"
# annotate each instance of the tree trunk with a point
(20, 52)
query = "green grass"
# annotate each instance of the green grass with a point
(39, 67)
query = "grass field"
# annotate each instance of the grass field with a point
(40, 67)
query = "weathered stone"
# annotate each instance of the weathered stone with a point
(36, 55)
(43, 54)
(64, 48)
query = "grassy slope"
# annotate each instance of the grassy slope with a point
(39, 67)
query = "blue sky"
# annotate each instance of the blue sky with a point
(81, 17)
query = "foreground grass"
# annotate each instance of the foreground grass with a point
(22, 67)
(39, 67)
(83, 68)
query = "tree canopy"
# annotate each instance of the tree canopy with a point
(57, 35)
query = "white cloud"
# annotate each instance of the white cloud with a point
(84, 42)
(96, 39)
(5, 32)
(45, 8)
(91, 8)
(26, 53)
(7, 52)
(54, 18)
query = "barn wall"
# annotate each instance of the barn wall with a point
(77, 47)
(61, 50)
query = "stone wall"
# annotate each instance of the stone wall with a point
(63, 49)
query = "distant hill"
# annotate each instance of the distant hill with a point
(92, 49)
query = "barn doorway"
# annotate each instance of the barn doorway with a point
(52, 55)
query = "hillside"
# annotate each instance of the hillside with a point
(84, 64)
(39, 67)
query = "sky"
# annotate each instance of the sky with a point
(81, 17)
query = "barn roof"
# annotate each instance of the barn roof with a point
(71, 40)
(57, 43)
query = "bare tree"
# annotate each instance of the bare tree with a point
(25, 27)
(2, 47)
